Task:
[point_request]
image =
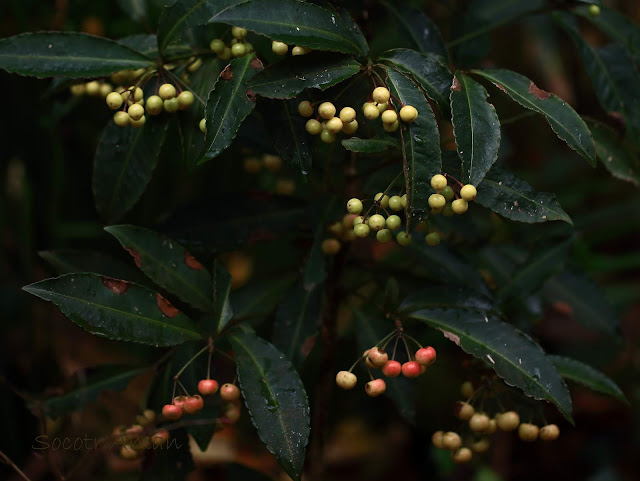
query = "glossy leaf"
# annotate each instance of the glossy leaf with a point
(147, 44)
(276, 399)
(288, 134)
(182, 15)
(512, 354)
(297, 321)
(286, 79)
(113, 378)
(66, 54)
(564, 121)
(116, 309)
(222, 311)
(124, 163)
(617, 26)
(586, 302)
(228, 105)
(588, 376)
(424, 34)
(259, 298)
(476, 128)
(167, 263)
(613, 74)
(370, 146)
(430, 71)
(511, 197)
(370, 330)
(541, 264)
(421, 143)
(445, 297)
(614, 153)
(296, 23)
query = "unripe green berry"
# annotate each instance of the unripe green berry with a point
(383, 236)
(327, 110)
(239, 32)
(248, 46)
(391, 127)
(437, 211)
(382, 199)
(138, 123)
(432, 239)
(195, 65)
(295, 51)
(238, 50)
(327, 137)
(121, 119)
(334, 125)
(404, 201)
(447, 211)
(459, 206)
(370, 111)
(154, 105)
(167, 91)
(185, 99)
(393, 222)
(354, 206)
(381, 94)
(361, 230)
(408, 113)
(468, 192)
(114, 100)
(376, 222)
(313, 127)
(447, 192)
(395, 203)
(437, 201)
(382, 106)
(594, 10)
(225, 54)
(203, 126)
(136, 111)
(217, 45)
(279, 48)
(305, 108)
(389, 116)
(172, 105)
(347, 114)
(438, 182)
(403, 239)
(350, 128)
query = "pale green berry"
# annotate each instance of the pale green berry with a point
(382, 199)
(305, 108)
(594, 10)
(432, 239)
(350, 128)
(359, 220)
(403, 239)
(217, 45)
(437, 201)
(167, 91)
(239, 32)
(393, 222)
(92, 88)
(203, 126)
(172, 105)
(238, 50)
(327, 137)
(384, 236)
(404, 201)
(376, 222)
(361, 230)
(313, 127)
(154, 105)
(279, 48)
(447, 192)
(225, 54)
(354, 206)
(114, 100)
(195, 65)
(121, 119)
(295, 51)
(138, 123)
(136, 111)
(395, 203)
(185, 99)
(447, 211)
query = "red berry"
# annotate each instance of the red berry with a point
(160, 437)
(229, 392)
(378, 357)
(375, 388)
(426, 356)
(411, 369)
(392, 369)
(208, 386)
(193, 404)
(179, 401)
(172, 412)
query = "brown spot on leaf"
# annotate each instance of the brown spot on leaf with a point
(256, 63)
(117, 286)
(227, 73)
(251, 96)
(307, 345)
(501, 87)
(166, 307)
(192, 262)
(538, 92)
(451, 336)
(135, 255)
(456, 85)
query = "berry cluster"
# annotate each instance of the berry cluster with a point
(281, 48)
(239, 46)
(480, 424)
(376, 357)
(135, 438)
(381, 106)
(186, 404)
(363, 225)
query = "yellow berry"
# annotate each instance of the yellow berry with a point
(370, 111)
(138, 94)
(334, 125)
(528, 432)
(468, 192)
(437, 439)
(389, 116)
(154, 105)
(305, 108)
(114, 100)
(171, 105)
(479, 422)
(508, 421)
(438, 182)
(185, 99)
(136, 111)
(437, 201)
(195, 65)
(238, 32)
(203, 126)
(382, 107)
(272, 162)
(459, 206)
(313, 127)
(92, 88)
(138, 123)
(391, 127)
(167, 91)
(327, 110)
(77, 90)
(121, 119)
(383, 199)
(462, 455)
(285, 186)
(327, 137)
(279, 48)
(252, 165)
(299, 51)
(350, 128)
(408, 113)
(381, 95)
(347, 114)
(105, 89)
(550, 432)
(451, 441)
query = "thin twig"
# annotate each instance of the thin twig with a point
(13, 465)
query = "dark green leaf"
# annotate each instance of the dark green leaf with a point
(297, 23)
(586, 375)
(315, 271)
(116, 309)
(588, 304)
(147, 44)
(370, 146)
(564, 121)
(476, 128)
(286, 79)
(370, 330)
(113, 378)
(296, 323)
(429, 71)
(424, 34)
(124, 163)
(511, 353)
(445, 297)
(288, 134)
(172, 462)
(167, 263)
(228, 105)
(617, 26)
(613, 73)
(65, 261)
(66, 54)
(614, 153)
(421, 143)
(541, 264)
(259, 298)
(182, 15)
(511, 197)
(222, 311)
(276, 399)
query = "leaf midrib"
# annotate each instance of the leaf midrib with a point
(346, 67)
(167, 38)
